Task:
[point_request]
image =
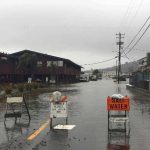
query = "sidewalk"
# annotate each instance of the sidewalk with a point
(143, 91)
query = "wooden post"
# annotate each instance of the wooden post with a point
(26, 107)
(51, 123)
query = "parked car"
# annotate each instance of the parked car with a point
(94, 78)
(84, 77)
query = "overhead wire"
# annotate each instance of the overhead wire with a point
(130, 6)
(136, 35)
(133, 13)
(126, 56)
(100, 61)
(136, 12)
(128, 11)
(138, 40)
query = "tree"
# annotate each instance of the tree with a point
(95, 72)
(27, 62)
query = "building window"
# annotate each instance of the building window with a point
(54, 63)
(3, 58)
(49, 63)
(60, 63)
(39, 63)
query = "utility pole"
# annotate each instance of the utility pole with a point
(119, 43)
(116, 71)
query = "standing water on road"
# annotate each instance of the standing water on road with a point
(87, 109)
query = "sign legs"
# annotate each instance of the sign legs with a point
(51, 123)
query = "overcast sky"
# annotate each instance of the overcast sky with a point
(83, 31)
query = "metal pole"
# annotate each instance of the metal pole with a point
(116, 69)
(120, 36)
(119, 58)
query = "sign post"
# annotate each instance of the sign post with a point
(58, 110)
(58, 107)
(121, 104)
(118, 107)
(14, 107)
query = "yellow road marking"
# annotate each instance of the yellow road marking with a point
(32, 136)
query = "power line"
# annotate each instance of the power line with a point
(101, 61)
(128, 11)
(136, 12)
(136, 35)
(135, 9)
(138, 40)
(126, 56)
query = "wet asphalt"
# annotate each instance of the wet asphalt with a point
(87, 110)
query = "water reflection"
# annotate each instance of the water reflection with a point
(143, 103)
(59, 140)
(13, 128)
(59, 135)
(87, 109)
(118, 141)
(118, 132)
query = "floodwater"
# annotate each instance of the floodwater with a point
(87, 110)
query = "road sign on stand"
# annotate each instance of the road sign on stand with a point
(58, 110)
(14, 107)
(58, 107)
(118, 107)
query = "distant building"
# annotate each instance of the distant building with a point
(141, 77)
(48, 68)
(109, 73)
(142, 63)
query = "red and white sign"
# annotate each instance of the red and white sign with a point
(118, 104)
(58, 110)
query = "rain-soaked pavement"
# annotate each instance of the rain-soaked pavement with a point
(87, 110)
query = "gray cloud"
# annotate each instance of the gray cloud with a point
(83, 31)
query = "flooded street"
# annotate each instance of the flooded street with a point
(87, 109)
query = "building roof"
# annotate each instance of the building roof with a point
(3, 54)
(144, 58)
(45, 55)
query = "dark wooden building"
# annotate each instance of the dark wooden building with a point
(19, 66)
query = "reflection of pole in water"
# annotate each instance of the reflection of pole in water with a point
(11, 131)
(118, 88)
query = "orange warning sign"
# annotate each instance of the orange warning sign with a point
(118, 104)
